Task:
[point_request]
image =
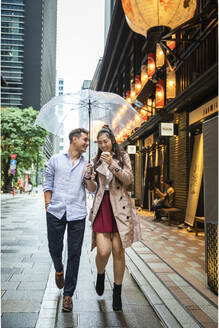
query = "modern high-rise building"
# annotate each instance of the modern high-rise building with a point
(12, 52)
(109, 5)
(63, 139)
(28, 50)
(60, 87)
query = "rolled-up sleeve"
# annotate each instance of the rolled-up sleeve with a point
(49, 175)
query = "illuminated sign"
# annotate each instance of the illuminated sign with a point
(166, 129)
(131, 149)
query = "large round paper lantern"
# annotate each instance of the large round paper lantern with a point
(145, 14)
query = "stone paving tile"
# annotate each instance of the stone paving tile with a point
(19, 320)
(160, 267)
(20, 265)
(37, 269)
(29, 277)
(6, 277)
(13, 270)
(49, 304)
(46, 323)
(210, 311)
(202, 317)
(150, 258)
(178, 260)
(22, 295)
(20, 306)
(8, 285)
(32, 286)
(48, 313)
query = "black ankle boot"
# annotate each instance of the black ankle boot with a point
(100, 283)
(117, 302)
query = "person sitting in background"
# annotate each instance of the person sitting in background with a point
(165, 200)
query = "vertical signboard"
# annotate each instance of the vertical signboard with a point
(13, 164)
(195, 179)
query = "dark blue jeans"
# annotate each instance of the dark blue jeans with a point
(155, 208)
(75, 233)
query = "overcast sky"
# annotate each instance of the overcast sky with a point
(80, 41)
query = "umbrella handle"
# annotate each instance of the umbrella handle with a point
(89, 120)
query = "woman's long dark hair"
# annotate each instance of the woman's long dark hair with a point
(117, 150)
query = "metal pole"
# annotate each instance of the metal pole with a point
(89, 118)
(37, 168)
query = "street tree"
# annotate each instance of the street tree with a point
(20, 136)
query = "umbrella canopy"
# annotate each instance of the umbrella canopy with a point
(88, 109)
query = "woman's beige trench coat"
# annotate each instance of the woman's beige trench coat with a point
(124, 211)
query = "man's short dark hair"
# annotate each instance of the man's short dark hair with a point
(169, 182)
(77, 133)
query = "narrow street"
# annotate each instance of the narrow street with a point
(29, 295)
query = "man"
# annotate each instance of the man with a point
(66, 176)
(166, 200)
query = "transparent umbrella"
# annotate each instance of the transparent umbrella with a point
(88, 109)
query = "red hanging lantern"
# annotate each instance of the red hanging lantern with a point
(128, 96)
(160, 94)
(171, 44)
(144, 74)
(137, 84)
(151, 64)
(144, 114)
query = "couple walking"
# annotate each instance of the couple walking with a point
(115, 224)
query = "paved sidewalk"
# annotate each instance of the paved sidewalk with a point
(169, 268)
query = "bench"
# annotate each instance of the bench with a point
(169, 211)
(198, 220)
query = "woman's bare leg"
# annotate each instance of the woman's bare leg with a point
(118, 259)
(104, 248)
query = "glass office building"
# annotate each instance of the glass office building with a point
(12, 51)
(28, 56)
(28, 33)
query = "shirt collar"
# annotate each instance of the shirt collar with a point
(80, 158)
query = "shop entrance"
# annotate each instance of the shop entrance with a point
(152, 179)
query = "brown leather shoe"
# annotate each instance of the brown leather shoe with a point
(59, 278)
(67, 303)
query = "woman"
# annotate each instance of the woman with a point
(114, 221)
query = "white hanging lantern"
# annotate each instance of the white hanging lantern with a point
(171, 84)
(145, 14)
(160, 58)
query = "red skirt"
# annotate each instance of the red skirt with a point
(105, 220)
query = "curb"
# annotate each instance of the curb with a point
(169, 310)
